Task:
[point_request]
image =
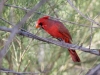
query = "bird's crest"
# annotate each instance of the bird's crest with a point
(46, 17)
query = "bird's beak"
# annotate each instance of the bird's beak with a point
(37, 26)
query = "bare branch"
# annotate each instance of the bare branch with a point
(25, 9)
(89, 19)
(15, 29)
(18, 73)
(5, 21)
(91, 31)
(94, 71)
(62, 44)
(2, 2)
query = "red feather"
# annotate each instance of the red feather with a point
(59, 31)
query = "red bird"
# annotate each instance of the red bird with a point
(59, 31)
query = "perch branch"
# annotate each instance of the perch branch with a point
(62, 44)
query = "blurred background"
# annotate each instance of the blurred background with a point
(29, 55)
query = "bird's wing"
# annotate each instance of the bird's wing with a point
(64, 31)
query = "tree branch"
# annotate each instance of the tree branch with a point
(25, 9)
(94, 71)
(15, 29)
(20, 73)
(2, 2)
(58, 43)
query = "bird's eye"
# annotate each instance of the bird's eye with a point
(40, 24)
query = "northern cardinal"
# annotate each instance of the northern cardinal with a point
(57, 30)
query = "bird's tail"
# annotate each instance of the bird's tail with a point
(73, 53)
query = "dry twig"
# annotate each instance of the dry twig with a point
(2, 2)
(19, 73)
(74, 23)
(89, 19)
(94, 71)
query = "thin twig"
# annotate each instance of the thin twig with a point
(89, 19)
(2, 2)
(6, 21)
(91, 32)
(94, 71)
(74, 23)
(18, 73)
